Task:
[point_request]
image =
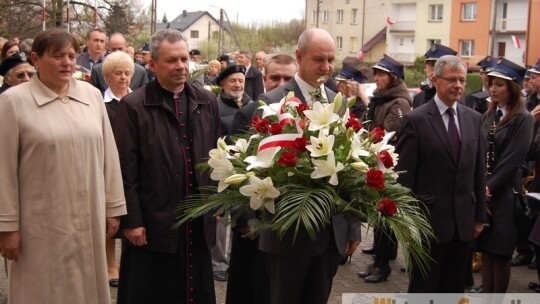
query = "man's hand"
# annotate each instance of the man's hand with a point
(536, 113)
(113, 223)
(136, 236)
(9, 244)
(350, 247)
(478, 227)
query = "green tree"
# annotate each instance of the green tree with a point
(117, 20)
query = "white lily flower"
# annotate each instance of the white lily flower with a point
(327, 167)
(263, 159)
(221, 146)
(272, 109)
(235, 179)
(321, 117)
(357, 149)
(262, 192)
(321, 146)
(360, 166)
(240, 147)
(222, 169)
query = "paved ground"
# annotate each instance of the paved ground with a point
(346, 280)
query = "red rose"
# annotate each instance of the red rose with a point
(387, 207)
(353, 123)
(287, 159)
(254, 121)
(262, 126)
(386, 159)
(375, 179)
(276, 128)
(300, 144)
(87, 77)
(376, 135)
(301, 108)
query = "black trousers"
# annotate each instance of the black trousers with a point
(303, 280)
(446, 272)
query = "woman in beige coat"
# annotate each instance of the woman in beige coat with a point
(61, 187)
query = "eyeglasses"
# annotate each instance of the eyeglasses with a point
(462, 81)
(23, 74)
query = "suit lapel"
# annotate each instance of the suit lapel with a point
(440, 129)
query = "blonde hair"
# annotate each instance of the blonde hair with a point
(215, 63)
(113, 60)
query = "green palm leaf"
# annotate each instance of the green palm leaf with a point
(304, 207)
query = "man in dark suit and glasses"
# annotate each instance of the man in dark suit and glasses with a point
(303, 272)
(440, 149)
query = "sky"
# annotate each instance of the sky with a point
(243, 11)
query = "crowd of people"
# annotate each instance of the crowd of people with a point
(85, 163)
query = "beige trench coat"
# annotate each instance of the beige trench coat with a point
(59, 178)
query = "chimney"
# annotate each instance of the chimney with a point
(184, 13)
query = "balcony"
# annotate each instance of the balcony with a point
(403, 26)
(511, 25)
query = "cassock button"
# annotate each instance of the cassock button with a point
(191, 185)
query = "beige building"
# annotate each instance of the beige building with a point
(196, 26)
(356, 25)
(417, 25)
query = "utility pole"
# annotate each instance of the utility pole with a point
(318, 12)
(220, 41)
(493, 27)
(153, 12)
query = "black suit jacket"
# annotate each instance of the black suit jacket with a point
(254, 83)
(341, 228)
(139, 79)
(452, 190)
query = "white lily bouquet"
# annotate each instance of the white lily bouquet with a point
(300, 165)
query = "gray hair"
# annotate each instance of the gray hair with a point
(170, 35)
(453, 62)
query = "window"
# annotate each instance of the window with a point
(339, 42)
(314, 17)
(354, 14)
(325, 17)
(339, 16)
(194, 34)
(468, 11)
(353, 45)
(435, 12)
(467, 48)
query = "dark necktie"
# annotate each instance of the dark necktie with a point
(498, 116)
(453, 133)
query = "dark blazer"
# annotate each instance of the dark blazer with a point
(147, 134)
(254, 85)
(341, 228)
(453, 191)
(512, 141)
(424, 96)
(139, 79)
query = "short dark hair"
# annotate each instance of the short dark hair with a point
(281, 59)
(247, 53)
(95, 30)
(53, 40)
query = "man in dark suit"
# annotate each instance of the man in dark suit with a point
(442, 157)
(478, 99)
(428, 90)
(302, 272)
(254, 78)
(117, 42)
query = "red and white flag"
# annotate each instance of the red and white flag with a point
(361, 56)
(515, 41)
(389, 20)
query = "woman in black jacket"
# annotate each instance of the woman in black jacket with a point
(507, 131)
